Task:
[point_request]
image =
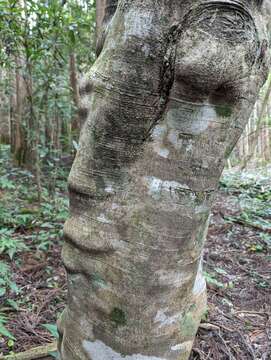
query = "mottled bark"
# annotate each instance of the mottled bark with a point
(165, 103)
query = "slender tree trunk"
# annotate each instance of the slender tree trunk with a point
(73, 79)
(12, 109)
(18, 136)
(75, 92)
(32, 160)
(47, 123)
(25, 136)
(105, 10)
(256, 138)
(57, 126)
(169, 96)
(100, 13)
(267, 140)
(4, 114)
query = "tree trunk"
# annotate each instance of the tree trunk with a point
(18, 135)
(168, 98)
(12, 109)
(75, 93)
(105, 10)
(25, 130)
(4, 113)
(256, 138)
(48, 133)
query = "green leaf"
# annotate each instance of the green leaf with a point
(11, 253)
(13, 304)
(13, 287)
(221, 271)
(52, 328)
(10, 343)
(6, 184)
(72, 37)
(4, 268)
(2, 291)
(54, 354)
(212, 281)
(4, 331)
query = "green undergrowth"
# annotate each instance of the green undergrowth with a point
(253, 191)
(250, 192)
(27, 226)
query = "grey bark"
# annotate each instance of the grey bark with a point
(165, 103)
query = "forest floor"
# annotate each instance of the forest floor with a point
(237, 258)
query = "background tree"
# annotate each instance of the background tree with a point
(41, 41)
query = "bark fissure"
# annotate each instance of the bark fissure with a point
(167, 77)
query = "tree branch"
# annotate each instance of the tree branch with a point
(32, 354)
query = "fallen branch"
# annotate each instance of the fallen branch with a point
(255, 226)
(35, 267)
(247, 224)
(210, 326)
(252, 313)
(32, 354)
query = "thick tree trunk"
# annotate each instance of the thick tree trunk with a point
(167, 99)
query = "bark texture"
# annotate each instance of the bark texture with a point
(165, 103)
